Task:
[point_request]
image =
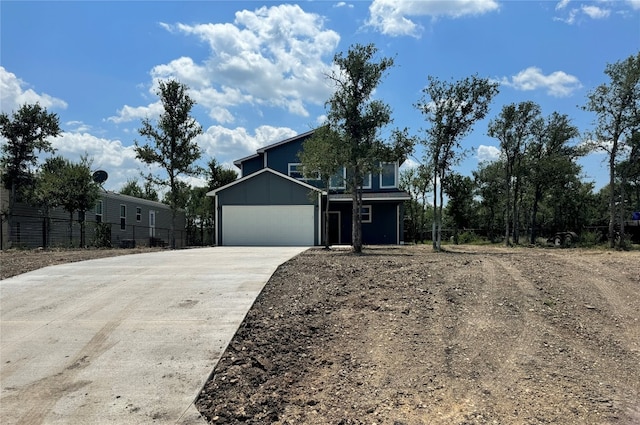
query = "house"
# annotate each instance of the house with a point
(118, 220)
(273, 204)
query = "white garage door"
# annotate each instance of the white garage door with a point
(268, 225)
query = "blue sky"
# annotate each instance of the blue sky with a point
(256, 69)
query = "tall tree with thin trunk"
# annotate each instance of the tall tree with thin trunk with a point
(174, 149)
(451, 109)
(322, 156)
(617, 109)
(27, 133)
(357, 118)
(514, 128)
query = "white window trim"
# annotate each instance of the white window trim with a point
(294, 165)
(395, 175)
(366, 179)
(344, 180)
(370, 214)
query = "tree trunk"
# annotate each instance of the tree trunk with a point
(70, 229)
(612, 194)
(434, 237)
(356, 228)
(534, 214)
(326, 218)
(440, 212)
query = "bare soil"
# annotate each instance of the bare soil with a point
(403, 335)
(17, 261)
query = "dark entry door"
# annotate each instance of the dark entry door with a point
(334, 227)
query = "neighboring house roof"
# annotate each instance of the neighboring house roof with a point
(265, 170)
(372, 196)
(133, 199)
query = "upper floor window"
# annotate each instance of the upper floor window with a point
(388, 175)
(138, 214)
(339, 180)
(366, 181)
(295, 170)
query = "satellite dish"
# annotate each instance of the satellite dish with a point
(100, 176)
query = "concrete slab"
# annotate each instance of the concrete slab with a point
(124, 340)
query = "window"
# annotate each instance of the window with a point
(365, 213)
(138, 214)
(123, 217)
(366, 181)
(339, 180)
(99, 211)
(388, 175)
(295, 171)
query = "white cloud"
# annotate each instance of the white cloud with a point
(13, 94)
(343, 4)
(392, 17)
(273, 56)
(557, 84)
(635, 4)
(112, 156)
(595, 12)
(562, 4)
(487, 153)
(226, 144)
(131, 113)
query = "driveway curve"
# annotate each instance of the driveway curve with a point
(126, 340)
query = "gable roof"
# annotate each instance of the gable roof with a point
(263, 149)
(265, 170)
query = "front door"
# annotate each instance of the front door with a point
(334, 227)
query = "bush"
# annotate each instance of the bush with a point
(468, 237)
(590, 239)
(103, 235)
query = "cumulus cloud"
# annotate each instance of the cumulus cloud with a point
(131, 113)
(487, 153)
(271, 57)
(227, 144)
(595, 12)
(557, 84)
(343, 4)
(393, 17)
(13, 94)
(112, 156)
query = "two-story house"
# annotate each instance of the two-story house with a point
(272, 203)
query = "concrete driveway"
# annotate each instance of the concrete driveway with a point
(124, 340)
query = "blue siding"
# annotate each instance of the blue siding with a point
(252, 165)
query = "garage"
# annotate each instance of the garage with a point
(268, 225)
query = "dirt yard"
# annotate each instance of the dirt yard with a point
(403, 336)
(476, 335)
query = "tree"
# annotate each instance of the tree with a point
(514, 128)
(490, 185)
(416, 181)
(26, 133)
(218, 176)
(356, 119)
(132, 188)
(69, 185)
(452, 108)
(617, 109)
(322, 156)
(174, 149)
(461, 206)
(550, 161)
